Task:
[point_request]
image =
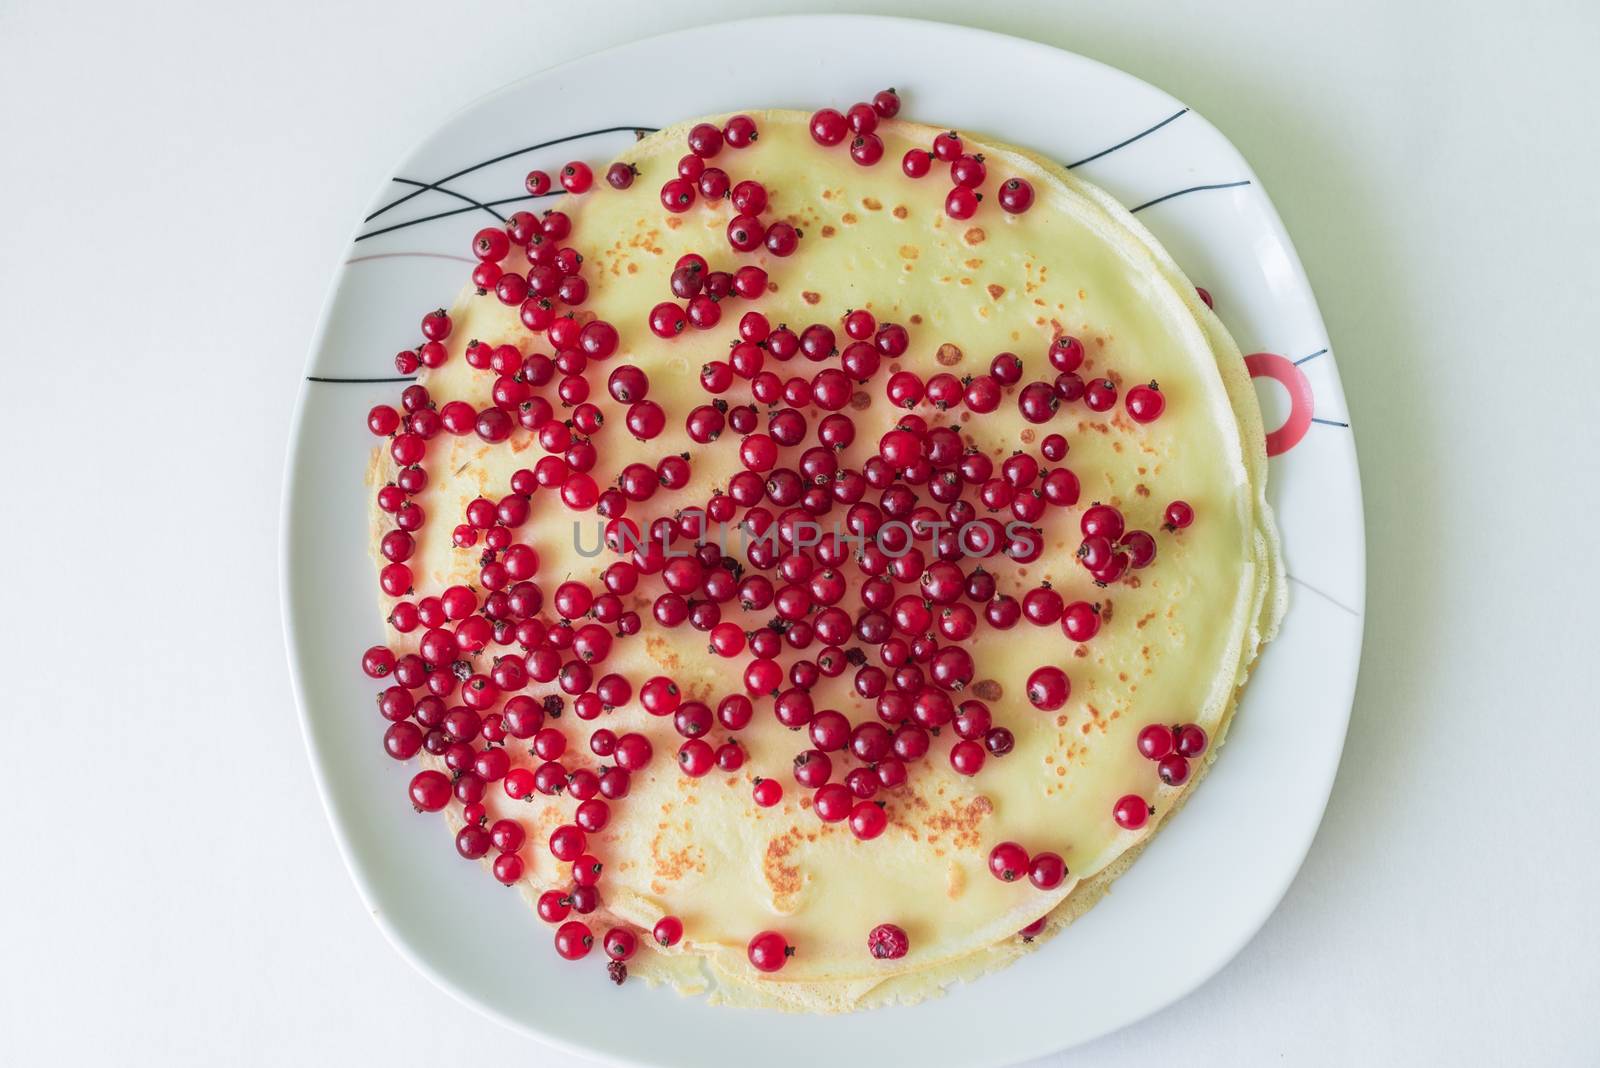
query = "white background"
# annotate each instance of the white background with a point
(177, 182)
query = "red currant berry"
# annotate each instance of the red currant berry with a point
(866, 149)
(667, 320)
(1047, 870)
(576, 177)
(668, 931)
(508, 868)
(1145, 403)
(1080, 621)
(962, 203)
(1016, 196)
(887, 942)
(574, 940)
(968, 170)
(1008, 862)
(769, 951)
(1155, 741)
(621, 175)
(740, 132)
(967, 757)
(1100, 395)
(1048, 688)
(677, 195)
(867, 820)
(1131, 812)
(1179, 515)
(1173, 770)
(1191, 740)
(430, 791)
(828, 127)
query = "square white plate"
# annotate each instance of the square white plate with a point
(1232, 852)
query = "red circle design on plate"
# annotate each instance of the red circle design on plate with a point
(1301, 400)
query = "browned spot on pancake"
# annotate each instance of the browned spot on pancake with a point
(996, 292)
(848, 218)
(860, 400)
(955, 881)
(809, 297)
(828, 231)
(673, 222)
(1026, 435)
(872, 203)
(961, 822)
(827, 194)
(633, 268)
(1147, 617)
(909, 252)
(948, 355)
(965, 280)
(987, 690)
(1082, 295)
(1116, 446)
(899, 211)
(672, 865)
(783, 879)
(915, 319)
(974, 235)
(1142, 490)
(772, 287)
(1080, 652)
(660, 650)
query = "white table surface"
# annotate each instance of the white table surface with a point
(178, 181)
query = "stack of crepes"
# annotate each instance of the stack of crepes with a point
(1177, 640)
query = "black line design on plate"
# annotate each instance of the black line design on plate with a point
(424, 187)
(1308, 359)
(409, 255)
(1191, 189)
(450, 192)
(392, 378)
(1328, 422)
(1124, 144)
(458, 211)
(1325, 596)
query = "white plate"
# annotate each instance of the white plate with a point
(1231, 854)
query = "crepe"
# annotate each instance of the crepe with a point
(1178, 640)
